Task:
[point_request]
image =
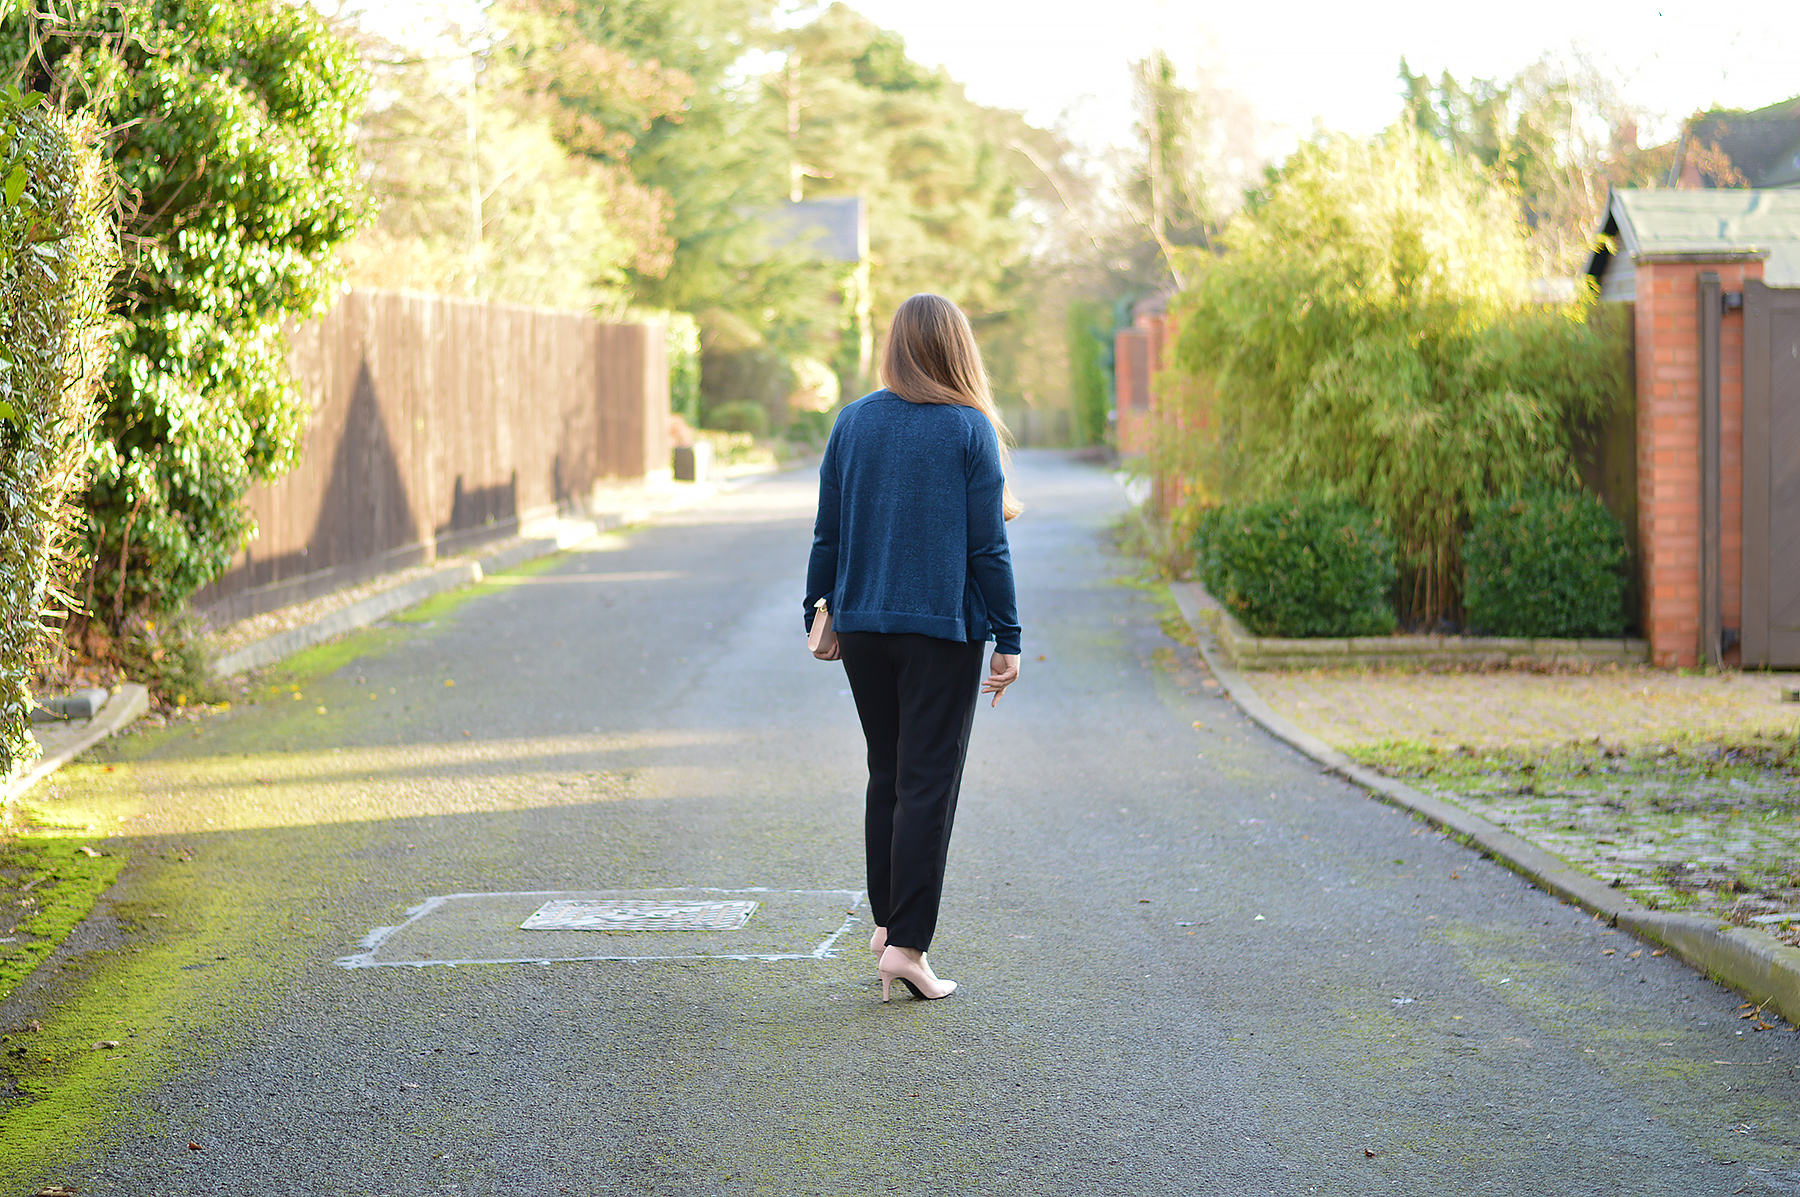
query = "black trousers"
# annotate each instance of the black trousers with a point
(916, 698)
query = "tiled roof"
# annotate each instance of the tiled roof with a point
(1763, 145)
(1736, 222)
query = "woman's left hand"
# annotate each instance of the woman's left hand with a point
(1003, 671)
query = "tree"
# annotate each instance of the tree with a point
(946, 180)
(936, 169)
(716, 161)
(1369, 332)
(1197, 153)
(57, 253)
(230, 127)
(487, 185)
(1559, 136)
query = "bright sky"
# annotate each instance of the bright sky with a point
(1301, 60)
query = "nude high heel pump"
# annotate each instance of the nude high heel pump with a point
(878, 942)
(912, 970)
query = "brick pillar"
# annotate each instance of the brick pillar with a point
(1668, 436)
(1131, 388)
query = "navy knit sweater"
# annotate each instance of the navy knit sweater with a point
(910, 537)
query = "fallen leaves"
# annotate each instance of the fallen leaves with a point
(1755, 1014)
(106, 1045)
(193, 1146)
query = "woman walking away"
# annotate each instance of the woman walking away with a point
(910, 560)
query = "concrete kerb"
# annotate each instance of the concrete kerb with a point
(127, 704)
(1760, 968)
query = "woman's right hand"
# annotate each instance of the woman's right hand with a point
(1003, 671)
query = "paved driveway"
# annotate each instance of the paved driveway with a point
(1190, 963)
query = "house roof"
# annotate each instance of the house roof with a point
(1763, 145)
(1713, 225)
(837, 230)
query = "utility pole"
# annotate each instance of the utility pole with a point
(474, 146)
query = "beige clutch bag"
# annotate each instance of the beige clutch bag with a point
(822, 640)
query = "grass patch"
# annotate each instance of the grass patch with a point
(48, 884)
(1710, 826)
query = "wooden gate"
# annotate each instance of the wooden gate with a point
(1771, 631)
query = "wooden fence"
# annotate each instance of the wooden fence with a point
(437, 424)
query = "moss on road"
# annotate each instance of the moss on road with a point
(219, 833)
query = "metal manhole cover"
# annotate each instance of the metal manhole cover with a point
(565, 914)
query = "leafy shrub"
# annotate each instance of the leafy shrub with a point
(730, 448)
(742, 416)
(810, 428)
(57, 251)
(1306, 565)
(232, 131)
(168, 655)
(1545, 563)
(1370, 331)
(1087, 332)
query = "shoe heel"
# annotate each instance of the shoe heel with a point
(885, 982)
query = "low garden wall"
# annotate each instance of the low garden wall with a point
(1249, 651)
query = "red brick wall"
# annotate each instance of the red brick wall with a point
(1668, 438)
(1131, 390)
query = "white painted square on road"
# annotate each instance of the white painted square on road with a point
(642, 925)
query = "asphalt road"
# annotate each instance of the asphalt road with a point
(1189, 962)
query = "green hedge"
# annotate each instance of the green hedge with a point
(57, 254)
(1545, 563)
(741, 416)
(231, 125)
(1299, 566)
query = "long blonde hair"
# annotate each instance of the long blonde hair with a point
(931, 357)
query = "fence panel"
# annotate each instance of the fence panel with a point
(437, 424)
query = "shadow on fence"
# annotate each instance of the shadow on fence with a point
(438, 424)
